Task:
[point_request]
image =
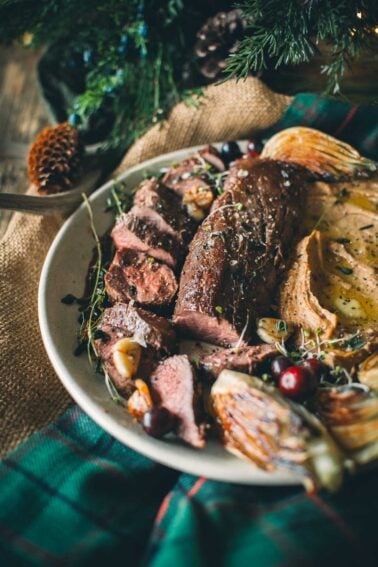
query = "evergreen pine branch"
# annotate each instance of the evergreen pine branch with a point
(139, 48)
(289, 32)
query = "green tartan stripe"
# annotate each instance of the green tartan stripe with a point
(30, 549)
(268, 524)
(115, 505)
(356, 125)
(71, 498)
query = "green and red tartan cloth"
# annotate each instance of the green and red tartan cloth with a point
(72, 495)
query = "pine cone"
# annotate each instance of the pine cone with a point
(216, 40)
(55, 158)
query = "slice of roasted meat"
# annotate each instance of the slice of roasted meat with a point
(174, 387)
(136, 276)
(237, 253)
(147, 328)
(248, 359)
(191, 173)
(163, 207)
(154, 334)
(134, 233)
(259, 424)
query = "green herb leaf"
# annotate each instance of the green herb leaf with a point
(281, 326)
(295, 355)
(366, 226)
(266, 377)
(344, 270)
(68, 299)
(355, 342)
(98, 334)
(219, 309)
(343, 193)
(120, 200)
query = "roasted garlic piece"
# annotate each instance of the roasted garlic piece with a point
(350, 413)
(272, 330)
(257, 423)
(322, 154)
(140, 400)
(126, 357)
(198, 201)
(195, 212)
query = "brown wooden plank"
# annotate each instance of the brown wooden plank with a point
(22, 116)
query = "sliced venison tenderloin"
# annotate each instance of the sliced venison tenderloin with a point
(134, 233)
(163, 207)
(136, 276)
(190, 174)
(154, 333)
(231, 270)
(248, 359)
(158, 223)
(128, 320)
(174, 387)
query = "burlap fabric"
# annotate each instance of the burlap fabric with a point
(30, 393)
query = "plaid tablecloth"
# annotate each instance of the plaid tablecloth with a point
(72, 495)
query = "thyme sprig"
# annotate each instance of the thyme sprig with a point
(204, 170)
(312, 346)
(113, 392)
(95, 305)
(120, 198)
(95, 301)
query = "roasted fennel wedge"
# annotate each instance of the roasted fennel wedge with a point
(351, 415)
(324, 155)
(256, 422)
(368, 371)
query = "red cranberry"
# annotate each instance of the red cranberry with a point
(297, 382)
(318, 367)
(279, 364)
(230, 151)
(157, 422)
(254, 148)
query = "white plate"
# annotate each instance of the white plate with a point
(64, 272)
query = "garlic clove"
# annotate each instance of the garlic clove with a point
(140, 400)
(272, 330)
(126, 357)
(195, 212)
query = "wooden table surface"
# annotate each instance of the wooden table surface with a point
(22, 116)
